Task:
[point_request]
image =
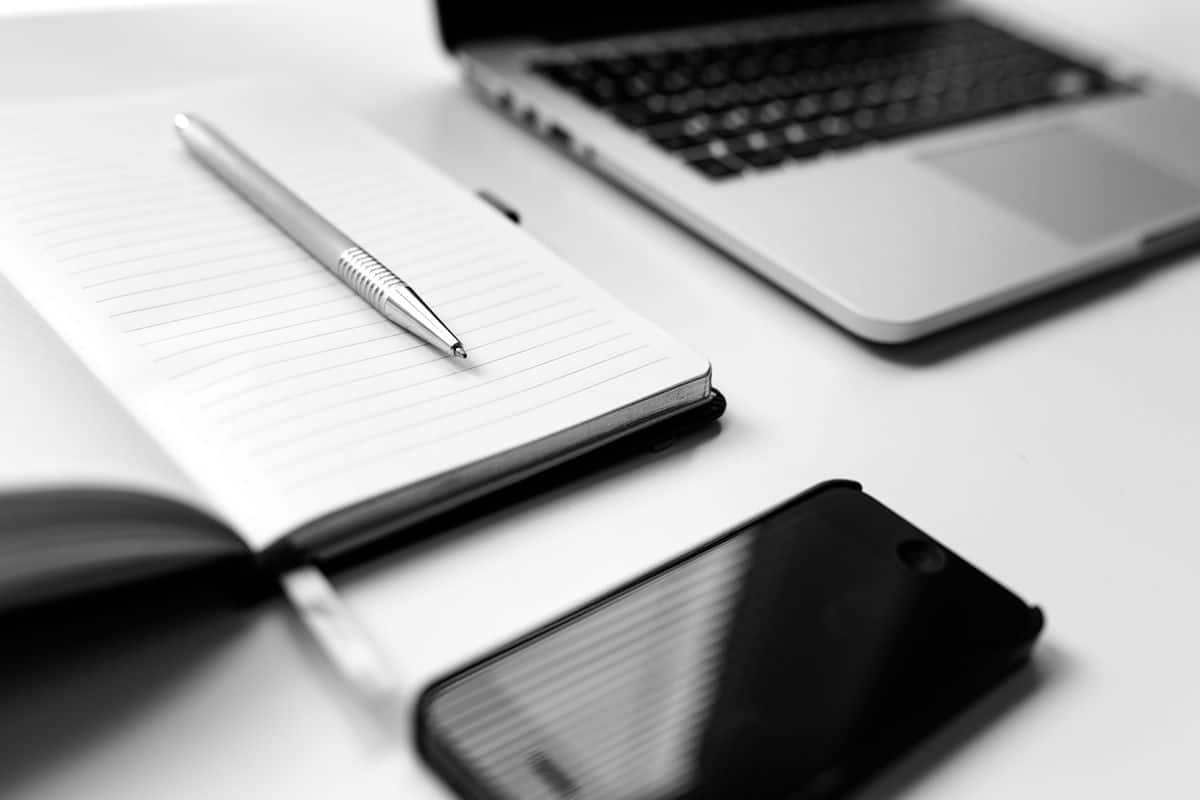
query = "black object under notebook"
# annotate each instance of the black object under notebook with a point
(791, 658)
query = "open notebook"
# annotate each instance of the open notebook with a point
(193, 384)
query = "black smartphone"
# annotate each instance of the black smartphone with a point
(790, 658)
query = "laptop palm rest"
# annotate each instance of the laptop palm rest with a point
(1069, 182)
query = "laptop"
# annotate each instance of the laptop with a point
(900, 167)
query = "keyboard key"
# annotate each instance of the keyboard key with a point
(842, 99)
(639, 85)
(804, 150)
(717, 150)
(677, 80)
(802, 141)
(771, 114)
(699, 125)
(874, 94)
(808, 106)
(635, 115)
(715, 168)
(751, 142)
(683, 134)
(864, 119)
(734, 121)
(688, 102)
(833, 126)
(601, 91)
(722, 98)
(763, 159)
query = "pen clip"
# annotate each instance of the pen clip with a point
(504, 208)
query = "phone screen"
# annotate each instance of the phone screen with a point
(776, 662)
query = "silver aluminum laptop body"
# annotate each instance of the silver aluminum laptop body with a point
(897, 240)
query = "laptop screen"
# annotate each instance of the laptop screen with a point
(466, 21)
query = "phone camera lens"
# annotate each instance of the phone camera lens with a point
(921, 556)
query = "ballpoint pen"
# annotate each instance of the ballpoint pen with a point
(337, 252)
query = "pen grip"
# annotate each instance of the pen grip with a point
(362, 272)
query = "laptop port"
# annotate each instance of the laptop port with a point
(558, 137)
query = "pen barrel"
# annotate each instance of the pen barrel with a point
(296, 218)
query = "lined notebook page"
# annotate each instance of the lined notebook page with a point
(280, 391)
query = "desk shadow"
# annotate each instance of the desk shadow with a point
(73, 672)
(905, 775)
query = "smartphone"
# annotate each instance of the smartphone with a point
(790, 658)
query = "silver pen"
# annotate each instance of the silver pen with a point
(337, 252)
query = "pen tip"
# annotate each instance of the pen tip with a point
(458, 351)
(182, 121)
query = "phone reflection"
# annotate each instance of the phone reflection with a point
(611, 705)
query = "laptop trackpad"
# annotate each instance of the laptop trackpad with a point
(1070, 182)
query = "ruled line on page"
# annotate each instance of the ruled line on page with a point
(487, 290)
(432, 222)
(441, 439)
(391, 329)
(152, 217)
(251, 350)
(204, 279)
(295, 268)
(210, 312)
(367, 318)
(117, 239)
(210, 296)
(477, 346)
(66, 163)
(394, 369)
(32, 212)
(385, 438)
(390, 334)
(256, 318)
(259, 365)
(273, 250)
(117, 160)
(220, 399)
(373, 420)
(391, 371)
(260, 235)
(343, 365)
(360, 311)
(51, 195)
(88, 216)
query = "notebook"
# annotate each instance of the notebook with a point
(190, 385)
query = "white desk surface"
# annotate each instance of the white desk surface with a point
(1056, 446)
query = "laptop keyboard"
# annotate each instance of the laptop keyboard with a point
(725, 109)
